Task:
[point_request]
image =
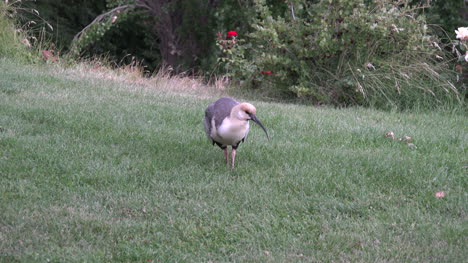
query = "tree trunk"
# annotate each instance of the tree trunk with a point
(178, 51)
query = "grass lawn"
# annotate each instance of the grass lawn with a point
(100, 170)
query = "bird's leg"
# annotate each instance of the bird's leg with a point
(226, 155)
(233, 156)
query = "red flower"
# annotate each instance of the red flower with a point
(264, 72)
(231, 33)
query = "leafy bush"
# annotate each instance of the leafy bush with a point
(343, 52)
(68, 16)
(447, 14)
(178, 34)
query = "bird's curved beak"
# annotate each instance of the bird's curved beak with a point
(254, 118)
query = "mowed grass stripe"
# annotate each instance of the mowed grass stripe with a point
(99, 170)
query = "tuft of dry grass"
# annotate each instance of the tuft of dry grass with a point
(137, 78)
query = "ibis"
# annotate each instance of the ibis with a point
(227, 123)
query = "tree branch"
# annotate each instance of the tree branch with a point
(101, 17)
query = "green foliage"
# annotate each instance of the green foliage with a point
(133, 35)
(67, 18)
(96, 31)
(126, 40)
(317, 49)
(447, 14)
(332, 52)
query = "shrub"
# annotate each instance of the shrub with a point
(446, 14)
(178, 34)
(343, 52)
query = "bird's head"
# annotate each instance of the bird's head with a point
(247, 112)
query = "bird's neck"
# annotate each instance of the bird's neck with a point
(236, 115)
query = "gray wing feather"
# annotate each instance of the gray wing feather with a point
(222, 109)
(209, 112)
(218, 111)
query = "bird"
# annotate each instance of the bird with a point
(227, 124)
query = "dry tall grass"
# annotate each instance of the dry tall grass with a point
(137, 78)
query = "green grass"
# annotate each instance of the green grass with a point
(99, 170)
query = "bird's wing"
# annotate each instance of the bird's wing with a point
(209, 113)
(222, 109)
